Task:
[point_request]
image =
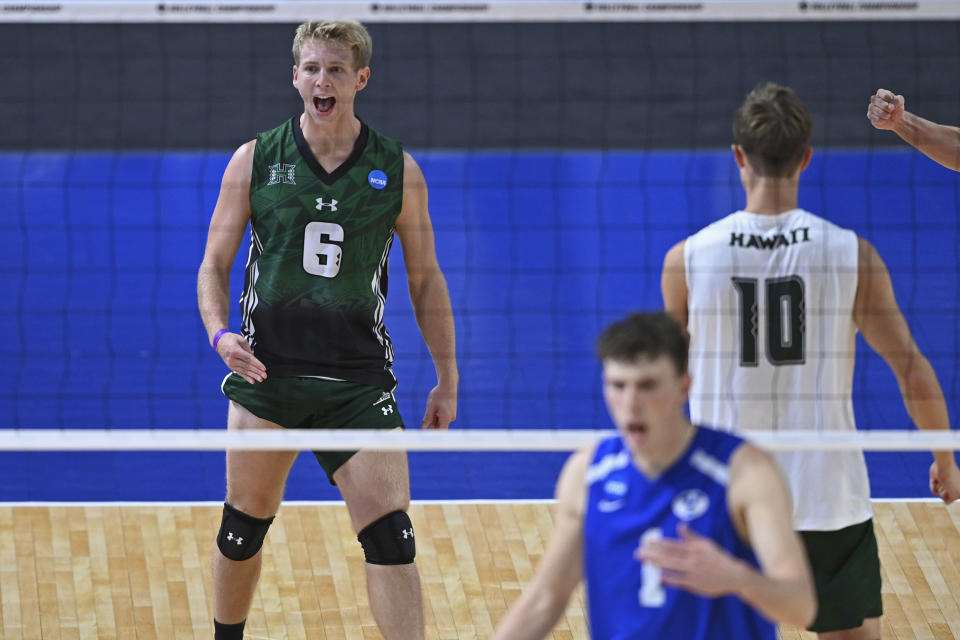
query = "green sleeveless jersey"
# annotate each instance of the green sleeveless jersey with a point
(316, 278)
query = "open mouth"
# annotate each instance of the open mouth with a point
(637, 429)
(323, 105)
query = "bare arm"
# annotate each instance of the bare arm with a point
(883, 326)
(760, 507)
(784, 590)
(673, 284)
(429, 295)
(227, 225)
(939, 142)
(544, 600)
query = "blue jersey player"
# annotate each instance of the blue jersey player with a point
(678, 531)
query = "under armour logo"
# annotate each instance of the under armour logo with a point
(387, 410)
(321, 204)
(238, 539)
(407, 533)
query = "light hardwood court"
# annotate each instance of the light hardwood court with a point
(123, 572)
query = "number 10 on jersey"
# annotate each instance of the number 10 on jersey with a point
(785, 310)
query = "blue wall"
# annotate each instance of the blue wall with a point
(540, 250)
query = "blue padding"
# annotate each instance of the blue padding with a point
(541, 250)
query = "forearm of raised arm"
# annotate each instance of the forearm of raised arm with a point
(939, 142)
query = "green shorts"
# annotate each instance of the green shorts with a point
(846, 572)
(314, 403)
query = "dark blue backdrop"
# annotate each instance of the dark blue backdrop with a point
(540, 250)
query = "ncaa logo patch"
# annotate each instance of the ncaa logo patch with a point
(690, 504)
(377, 179)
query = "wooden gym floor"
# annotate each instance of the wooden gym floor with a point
(142, 572)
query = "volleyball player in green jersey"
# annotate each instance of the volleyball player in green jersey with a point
(323, 194)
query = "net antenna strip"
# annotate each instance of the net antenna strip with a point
(416, 440)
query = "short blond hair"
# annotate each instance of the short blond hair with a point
(348, 33)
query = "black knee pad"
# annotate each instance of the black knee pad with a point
(241, 535)
(389, 540)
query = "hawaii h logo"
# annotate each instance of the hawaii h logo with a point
(285, 173)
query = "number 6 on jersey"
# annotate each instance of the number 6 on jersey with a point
(320, 257)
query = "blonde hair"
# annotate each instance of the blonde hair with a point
(348, 33)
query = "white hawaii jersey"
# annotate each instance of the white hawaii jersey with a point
(772, 346)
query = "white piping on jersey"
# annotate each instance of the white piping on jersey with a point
(606, 465)
(710, 467)
(379, 329)
(249, 299)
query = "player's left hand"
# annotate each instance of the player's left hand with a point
(441, 408)
(945, 481)
(693, 563)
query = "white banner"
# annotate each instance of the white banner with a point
(465, 11)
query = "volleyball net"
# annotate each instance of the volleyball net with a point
(454, 440)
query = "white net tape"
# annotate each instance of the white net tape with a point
(416, 440)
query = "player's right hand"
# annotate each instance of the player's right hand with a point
(885, 109)
(945, 481)
(237, 355)
(441, 408)
(693, 562)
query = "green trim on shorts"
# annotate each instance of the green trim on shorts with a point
(314, 403)
(846, 573)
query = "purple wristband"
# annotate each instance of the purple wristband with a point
(217, 336)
